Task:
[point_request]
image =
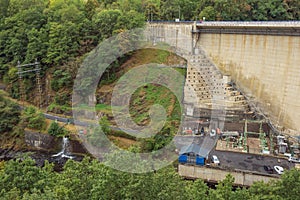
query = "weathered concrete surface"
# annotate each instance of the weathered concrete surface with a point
(265, 67)
(205, 86)
(177, 35)
(217, 175)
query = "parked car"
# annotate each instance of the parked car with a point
(215, 160)
(293, 159)
(278, 169)
(213, 133)
(268, 169)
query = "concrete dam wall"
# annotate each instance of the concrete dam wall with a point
(264, 62)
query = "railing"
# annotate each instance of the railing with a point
(281, 28)
(291, 24)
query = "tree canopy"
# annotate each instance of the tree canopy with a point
(9, 115)
(59, 33)
(89, 179)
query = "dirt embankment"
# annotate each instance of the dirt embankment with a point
(138, 58)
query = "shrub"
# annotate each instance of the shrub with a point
(56, 130)
(34, 119)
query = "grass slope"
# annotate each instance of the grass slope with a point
(146, 96)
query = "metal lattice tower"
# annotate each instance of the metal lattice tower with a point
(21, 85)
(22, 71)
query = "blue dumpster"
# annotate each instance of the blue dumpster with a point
(183, 159)
(200, 160)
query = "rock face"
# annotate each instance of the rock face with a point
(42, 147)
(41, 141)
(49, 143)
(7, 154)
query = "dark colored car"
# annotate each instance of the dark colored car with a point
(268, 169)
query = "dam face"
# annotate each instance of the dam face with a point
(263, 59)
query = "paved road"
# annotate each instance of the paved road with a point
(233, 160)
(251, 162)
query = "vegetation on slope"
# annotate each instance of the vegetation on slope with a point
(9, 115)
(15, 120)
(142, 99)
(59, 33)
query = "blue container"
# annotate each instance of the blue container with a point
(183, 159)
(200, 161)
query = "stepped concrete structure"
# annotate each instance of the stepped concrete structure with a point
(235, 64)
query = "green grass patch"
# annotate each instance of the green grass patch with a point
(182, 71)
(152, 94)
(53, 107)
(162, 56)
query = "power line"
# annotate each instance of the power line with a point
(22, 71)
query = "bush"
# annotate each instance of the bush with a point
(9, 115)
(33, 119)
(56, 130)
(60, 79)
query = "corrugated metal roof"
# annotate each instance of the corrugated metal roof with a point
(196, 149)
(192, 148)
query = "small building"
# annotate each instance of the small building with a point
(282, 146)
(280, 139)
(230, 134)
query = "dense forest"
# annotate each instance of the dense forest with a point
(59, 33)
(92, 180)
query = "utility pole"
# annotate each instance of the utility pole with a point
(22, 71)
(245, 135)
(21, 86)
(151, 14)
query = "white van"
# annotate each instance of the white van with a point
(215, 160)
(293, 159)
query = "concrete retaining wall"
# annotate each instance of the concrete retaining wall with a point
(217, 175)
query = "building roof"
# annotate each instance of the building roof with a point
(194, 148)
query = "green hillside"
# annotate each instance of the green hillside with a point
(59, 34)
(144, 97)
